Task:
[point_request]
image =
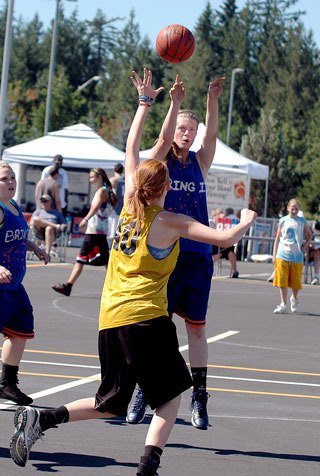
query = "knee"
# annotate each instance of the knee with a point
(197, 333)
(49, 230)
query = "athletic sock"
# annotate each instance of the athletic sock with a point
(9, 374)
(199, 377)
(150, 461)
(151, 451)
(53, 417)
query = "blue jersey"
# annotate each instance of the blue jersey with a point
(13, 245)
(187, 195)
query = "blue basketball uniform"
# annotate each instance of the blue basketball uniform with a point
(189, 284)
(16, 314)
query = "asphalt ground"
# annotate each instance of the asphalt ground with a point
(263, 380)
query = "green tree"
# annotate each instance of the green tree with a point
(28, 56)
(309, 192)
(66, 105)
(265, 144)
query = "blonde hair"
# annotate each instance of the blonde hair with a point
(150, 180)
(5, 165)
(189, 114)
(294, 200)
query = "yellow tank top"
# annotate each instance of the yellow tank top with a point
(135, 287)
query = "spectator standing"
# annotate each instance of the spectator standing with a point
(47, 223)
(49, 186)
(94, 249)
(62, 180)
(288, 255)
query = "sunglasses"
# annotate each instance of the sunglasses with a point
(44, 201)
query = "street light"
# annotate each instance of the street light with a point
(89, 81)
(51, 67)
(5, 70)
(234, 72)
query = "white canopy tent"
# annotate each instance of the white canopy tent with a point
(79, 145)
(227, 157)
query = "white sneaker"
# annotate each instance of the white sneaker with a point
(293, 304)
(315, 281)
(281, 309)
(27, 432)
(271, 277)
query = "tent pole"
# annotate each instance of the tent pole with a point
(5, 70)
(266, 197)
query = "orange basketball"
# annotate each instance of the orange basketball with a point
(175, 43)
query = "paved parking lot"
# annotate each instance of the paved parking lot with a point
(263, 379)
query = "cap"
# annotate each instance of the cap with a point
(45, 198)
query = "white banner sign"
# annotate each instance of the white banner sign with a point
(226, 190)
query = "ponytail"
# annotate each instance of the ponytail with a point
(151, 178)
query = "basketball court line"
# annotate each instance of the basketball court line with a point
(266, 418)
(278, 349)
(276, 382)
(255, 392)
(251, 275)
(224, 335)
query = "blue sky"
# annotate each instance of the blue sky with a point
(161, 13)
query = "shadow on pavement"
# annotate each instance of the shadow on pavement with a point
(54, 461)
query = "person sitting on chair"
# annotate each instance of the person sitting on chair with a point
(47, 223)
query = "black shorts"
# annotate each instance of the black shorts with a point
(94, 250)
(146, 353)
(223, 251)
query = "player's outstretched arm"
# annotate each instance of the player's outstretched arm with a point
(146, 97)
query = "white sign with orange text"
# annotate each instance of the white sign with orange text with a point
(227, 190)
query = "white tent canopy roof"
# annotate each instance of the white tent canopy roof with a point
(227, 157)
(79, 145)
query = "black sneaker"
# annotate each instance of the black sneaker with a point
(10, 391)
(64, 289)
(235, 275)
(147, 467)
(199, 416)
(137, 413)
